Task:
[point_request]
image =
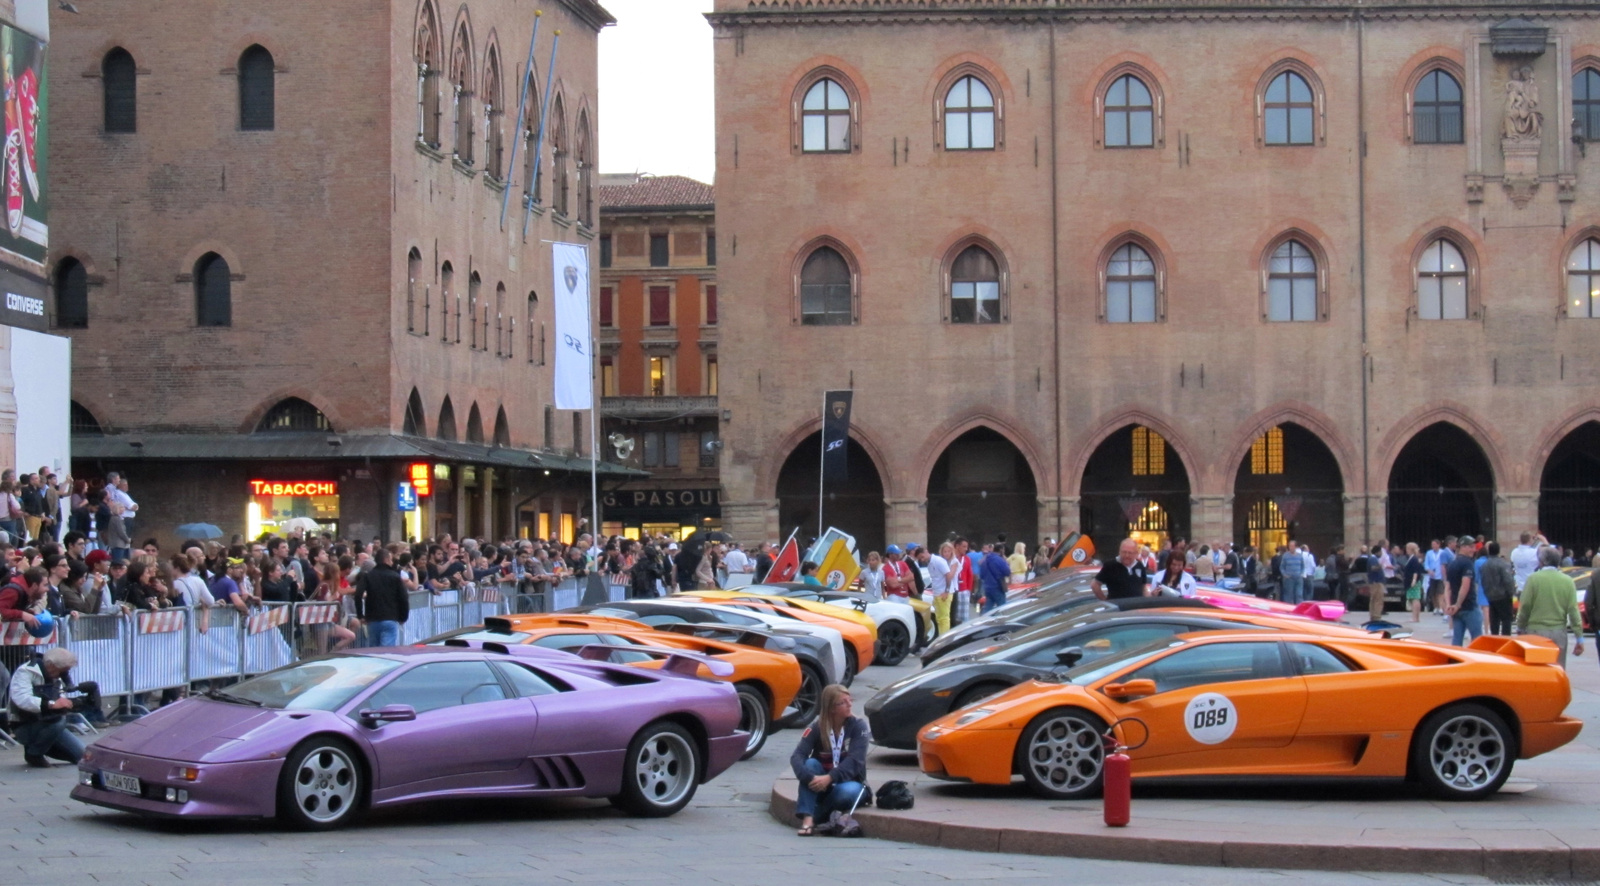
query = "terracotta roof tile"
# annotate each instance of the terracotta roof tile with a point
(657, 191)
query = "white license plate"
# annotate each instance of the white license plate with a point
(123, 784)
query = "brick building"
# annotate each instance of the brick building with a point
(658, 352)
(1215, 270)
(284, 223)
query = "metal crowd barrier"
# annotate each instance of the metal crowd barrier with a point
(150, 651)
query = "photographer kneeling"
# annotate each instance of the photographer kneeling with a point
(830, 761)
(39, 710)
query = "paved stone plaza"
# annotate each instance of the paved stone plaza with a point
(728, 836)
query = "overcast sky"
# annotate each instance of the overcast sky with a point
(655, 89)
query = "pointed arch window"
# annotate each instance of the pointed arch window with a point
(257, 89)
(1292, 283)
(502, 429)
(474, 425)
(474, 284)
(428, 68)
(976, 287)
(447, 421)
(120, 88)
(826, 289)
(413, 304)
(826, 118)
(1583, 280)
(447, 293)
(415, 424)
(461, 86)
(1132, 285)
(969, 116)
(1586, 104)
(1266, 453)
(1437, 110)
(72, 295)
(293, 414)
(493, 119)
(1289, 110)
(1130, 114)
(585, 172)
(558, 152)
(213, 291)
(532, 168)
(535, 331)
(1442, 282)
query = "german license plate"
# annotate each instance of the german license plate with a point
(122, 784)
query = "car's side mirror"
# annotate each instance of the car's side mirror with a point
(394, 713)
(1130, 690)
(1070, 656)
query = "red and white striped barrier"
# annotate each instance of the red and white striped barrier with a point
(15, 633)
(163, 621)
(317, 613)
(267, 619)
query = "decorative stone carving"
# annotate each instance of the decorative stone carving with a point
(1523, 119)
(1474, 188)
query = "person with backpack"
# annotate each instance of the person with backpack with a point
(830, 760)
(1499, 586)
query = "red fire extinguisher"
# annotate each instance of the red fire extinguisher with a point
(1117, 777)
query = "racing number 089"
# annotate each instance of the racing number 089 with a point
(1205, 719)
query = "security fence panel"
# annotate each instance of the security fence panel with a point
(268, 634)
(215, 643)
(447, 611)
(419, 624)
(313, 623)
(100, 642)
(159, 657)
(567, 594)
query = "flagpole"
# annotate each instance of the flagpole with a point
(522, 106)
(544, 114)
(822, 467)
(594, 436)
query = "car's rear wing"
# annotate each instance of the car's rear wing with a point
(1526, 648)
(724, 633)
(679, 661)
(1321, 610)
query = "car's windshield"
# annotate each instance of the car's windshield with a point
(316, 684)
(1089, 672)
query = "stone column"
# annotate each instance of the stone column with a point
(1057, 517)
(1514, 514)
(486, 503)
(906, 520)
(1357, 528)
(751, 521)
(1210, 518)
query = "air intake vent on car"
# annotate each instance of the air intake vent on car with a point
(556, 773)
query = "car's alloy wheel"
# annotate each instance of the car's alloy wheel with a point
(662, 771)
(894, 642)
(806, 701)
(754, 718)
(1464, 752)
(1062, 754)
(321, 785)
(852, 666)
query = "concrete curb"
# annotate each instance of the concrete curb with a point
(1496, 854)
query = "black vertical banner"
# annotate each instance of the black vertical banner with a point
(836, 434)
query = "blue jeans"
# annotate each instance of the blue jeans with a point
(1466, 621)
(383, 633)
(49, 739)
(1293, 590)
(840, 796)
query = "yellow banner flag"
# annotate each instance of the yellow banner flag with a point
(839, 568)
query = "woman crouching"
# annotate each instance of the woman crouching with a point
(830, 761)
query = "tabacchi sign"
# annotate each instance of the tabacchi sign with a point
(294, 487)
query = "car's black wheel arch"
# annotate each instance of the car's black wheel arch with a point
(1504, 710)
(991, 682)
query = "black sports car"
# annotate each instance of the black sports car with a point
(986, 630)
(813, 653)
(900, 710)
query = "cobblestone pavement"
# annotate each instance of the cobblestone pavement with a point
(725, 836)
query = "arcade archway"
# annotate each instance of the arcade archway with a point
(854, 504)
(1569, 490)
(1288, 486)
(980, 487)
(1441, 484)
(1134, 485)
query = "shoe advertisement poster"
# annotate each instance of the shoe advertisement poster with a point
(25, 233)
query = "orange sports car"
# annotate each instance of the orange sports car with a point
(1254, 703)
(767, 680)
(859, 639)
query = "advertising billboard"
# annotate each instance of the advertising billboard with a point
(23, 165)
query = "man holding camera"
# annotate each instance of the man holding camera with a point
(39, 707)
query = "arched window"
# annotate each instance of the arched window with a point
(257, 90)
(969, 116)
(825, 289)
(1583, 280)
(447, 294)
(1291, 283)
(502, 337)
(825, 117)
(532, 168)
(213, 291)
(502, 429)
(1131, 290)
(461, 85)
(535, 331)
(447, 421)
(494, 118)
(414, 423)
(975, 287)
(83, 423)
(1130, 114)
(585, 172)
(293, 414)
(1442, 282)
(428, 64)
(413, 271)
(1436, 110)
(1586, 104)
(474, 283)
(474, 425)
(558, 153)
(120, 87)
(72, 295)
(1289, 111)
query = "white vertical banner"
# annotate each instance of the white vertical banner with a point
(574, 386)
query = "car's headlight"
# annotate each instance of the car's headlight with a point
(973, 716)
(932, 734)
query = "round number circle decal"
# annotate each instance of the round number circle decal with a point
(1210, 718)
